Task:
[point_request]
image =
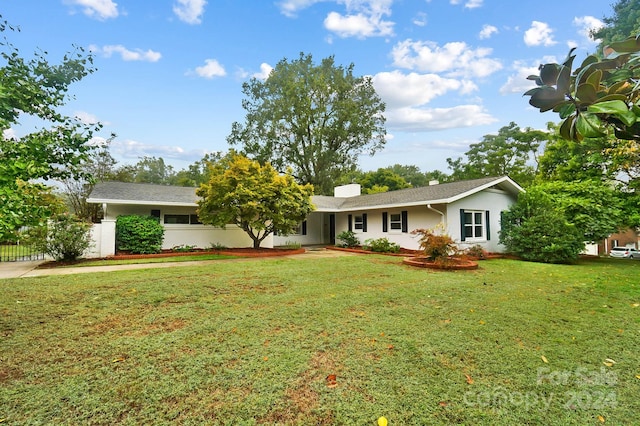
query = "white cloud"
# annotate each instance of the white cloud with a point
(402, 90)
(517, 82)
(265, 70)
(210, 69)
(539, 34)
(420, 20)
(189, 11)
(290, 8)
(98, 9)
(585, 25)
(430, 119)
(135, 150)
(126, 54)
(9, 134)
(454, 59)
(487, 31)
(472, 4)
(85, 117)
(364, 18)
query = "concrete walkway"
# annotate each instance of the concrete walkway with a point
(29, 269)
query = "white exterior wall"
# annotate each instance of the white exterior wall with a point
(417, 217)
(493, 200)
(317, 232)
(200, 236)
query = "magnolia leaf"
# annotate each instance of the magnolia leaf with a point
(469, 379)
(544, 359)
(545, 98)
(567, 128)
(609, 107)
(565, 109)
(589, 125)
(629, 45)
(594, 78)
(586, 93)
(549, 74)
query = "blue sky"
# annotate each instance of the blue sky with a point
(169, 72)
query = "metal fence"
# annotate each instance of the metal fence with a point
(18, 253)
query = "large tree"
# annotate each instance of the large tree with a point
(316, 119)
(99, 166)
(33, 87)
(254, 197)
(512, 152)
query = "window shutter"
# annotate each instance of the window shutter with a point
(350, 219)
(487, 224)
(364, 222)
(385, 222)
(304, 228)
(405, 225)
(462, 230)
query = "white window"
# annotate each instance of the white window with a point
(395, 221)
(474, 225)
(358, 223)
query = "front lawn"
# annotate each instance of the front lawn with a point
(341, 340)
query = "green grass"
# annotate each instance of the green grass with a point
(253, 341)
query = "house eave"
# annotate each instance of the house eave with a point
(138, 203)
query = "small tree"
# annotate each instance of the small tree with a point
(139, 234)
(437, 246)
(254, 197)
(65, 237)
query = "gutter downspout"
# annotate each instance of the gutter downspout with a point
(437, 211)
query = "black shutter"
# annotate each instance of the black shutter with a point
(385, 222)
(462, 228)
(487, 224)
(364, 222)
(350, 220)
(304, 227)
(405, 225)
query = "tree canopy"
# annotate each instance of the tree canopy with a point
(512, 152)
(33, 87)
(316, 119)
(625, 22)
(254, 197)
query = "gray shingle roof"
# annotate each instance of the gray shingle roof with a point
(142, 193)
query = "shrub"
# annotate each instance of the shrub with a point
(381, 245)
(65, 237)
(217, 246)
(139, 234)
(348, 239)
(534, 229)
(476, 251)
(437, 247)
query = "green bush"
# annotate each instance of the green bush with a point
(348, 239)
(65, 237)
(381, 245)
(534, 229)
(139, 234)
